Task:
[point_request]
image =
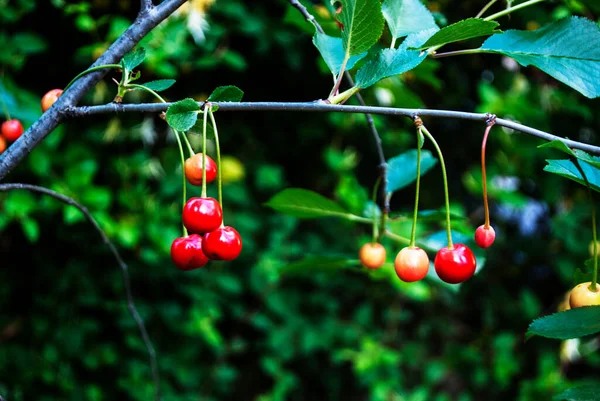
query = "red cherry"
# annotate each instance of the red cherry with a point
(12, 129)
(194, 166)
(485, 236)
(455, 265)
(224, 243)
(372, 255)
(2, 144)
(49, 98)
(201, 215)
(187, 253)
(412, 264)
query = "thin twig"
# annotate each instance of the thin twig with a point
(485, 8)
(324, 107)
(123, 266)
(308, 16)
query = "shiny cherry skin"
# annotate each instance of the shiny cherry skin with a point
(411, 264)
(187, 254)
(2, 144)
(455, 265)
(372, 255)
(582, 295)
(50, 98)
(12, 130)
(485, 236)
(194, 167)
(223, 243)
(202, 215)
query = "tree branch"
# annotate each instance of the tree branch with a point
(143, 24)
(324, 107)
(308, 16)
(124, 270)
(146, 6)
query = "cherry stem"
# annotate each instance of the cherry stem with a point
(485, 8)
(490, 123)
(374, 200)
(5, 108)
(97, 68)
(339, 77)
(218, 148)
(445, 176)
(413, 234)
(182, 176)
(206, 108)
(594, 235)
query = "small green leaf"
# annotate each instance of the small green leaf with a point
(402, 169)
(462, 30)
(159, 84)
(363, 25)
(183, 114)
(133, 59)
(588, 392)
(314, 264)
(580, 154)
(407, 16)
(572, 323)
(560, 145)
(332, 51)
(305, 204)
(567, 169)
(228, 93)
(568, 50)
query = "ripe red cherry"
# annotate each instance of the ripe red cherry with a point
(11, 130)
(224, 243)
(201, 215)
(49, 98)
(582, 295)
(455, 265)
(411, 264)
(187, 253)
(194, 166)
(372, 255)
(485, 236)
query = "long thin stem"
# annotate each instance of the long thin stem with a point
(445, 176)
(457, 53)
(144, 88)
(339, 77)
(89, 70)
(184, 200)
(374, 217)
(485, 8)
(122, 265)
(218, 148)
(511, 9)
(486, 207)
(205, 116)
(413, 233)
(4, 107)
(594, 234)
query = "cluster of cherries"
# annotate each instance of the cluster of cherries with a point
(202, 217)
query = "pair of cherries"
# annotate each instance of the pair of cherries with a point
(209, 239)
(10, 131)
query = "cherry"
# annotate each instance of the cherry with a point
(12, 129)
(455, 265)
(223, 243)
(412, 264)
(194, 166)
(187, 253)
(2, 144)
(49, 98)
(582, 295)
(201, 215)
(372, 255)
(485, 236)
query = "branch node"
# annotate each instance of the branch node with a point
(491, 119)
(417, 120)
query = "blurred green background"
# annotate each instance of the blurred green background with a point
(247, 330)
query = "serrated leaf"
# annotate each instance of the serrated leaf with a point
(462, 30)
(133, 59)
(572, 323)
(363, 25)
(183, 114)
(227, 93)
(402, 169)
(588, 392)
(332, 51)
(159, 84)
(407, 16)
(388, 62)
(567, 169)
(314, 264)
(305, 204)
(568, 50)
(580, 154)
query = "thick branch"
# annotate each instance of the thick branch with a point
(146, 6)
(143, 24)
(124, 271)
(323, 107)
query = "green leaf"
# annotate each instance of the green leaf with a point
(402, 169)
(567, 169)
(133, 59)
(228, 93)
(407, 16)
(159, 84)
(388, 62)
(363, 25)
(183, 114)
(462, 30)
(579, 154)
(305, 204)
(568, 50)
(332, 51)
(31, 229)
(572, 323)
(314, 263)
(588, 392)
